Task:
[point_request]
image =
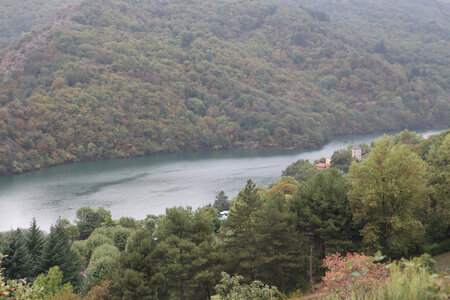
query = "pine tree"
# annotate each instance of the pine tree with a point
(221, 202)
(185, 252)
(136, 276)
(322, 209)
(57, 252)
(35, 242)
(17, 263)
(239, 232)
(280, 246)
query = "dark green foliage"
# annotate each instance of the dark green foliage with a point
(342, 159)
(17, 263)
(128, 222)
(221, 203)
(89, 220)
(179, 261)
(136, 276)
(281, 260)
(57, 252)
(35, 242)
(261, 241)
(322, 209)
(240, 234)
(117, 78)
(120, 237)
(437, 220)
(301, 170)
(188, 260)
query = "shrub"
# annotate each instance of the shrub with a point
(355, 273)
(231, 288)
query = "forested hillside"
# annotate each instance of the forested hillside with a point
(117, 78)
(18, 17)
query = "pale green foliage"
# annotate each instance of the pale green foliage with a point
(232, 288)
(96, 240)
(51, 284)
(102, 259)
(81, 249)
(388, 192)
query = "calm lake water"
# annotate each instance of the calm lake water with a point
(147, 185)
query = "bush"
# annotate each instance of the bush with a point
(355, 273)
(437, 248)
(401, 280)
(231, 288)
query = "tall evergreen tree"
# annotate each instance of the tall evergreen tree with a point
(185, 253)
(221, 202)
(35, 242)
(322, 209)
(239, 232)
(17, 263)
(280, 246)
(57, 252)
(136, 276)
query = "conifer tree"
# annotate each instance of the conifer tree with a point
(280, 247)
(35, 242)
(240, 235)
(57, 252)
(185, 251)
(136, 276)
(17, 263)
(322, 209)
(221, 202)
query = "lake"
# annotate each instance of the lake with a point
(139, 186)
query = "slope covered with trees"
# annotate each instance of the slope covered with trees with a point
(18, 17)
(117, 78)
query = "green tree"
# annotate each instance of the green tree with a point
(221, 202)
(322, 209)
(89, 220)
(102, 260)
(52, 284)
(388, 191)
(341, 159)
(280, 248)
(17, 262)
(35, 242)
(240, 235)
(57, 252)
(438, 216)
(301, 170)
(137, 275)
(185, 252)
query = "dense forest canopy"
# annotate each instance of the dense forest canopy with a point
(117, 78)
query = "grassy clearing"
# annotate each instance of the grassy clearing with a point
(442, 261)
